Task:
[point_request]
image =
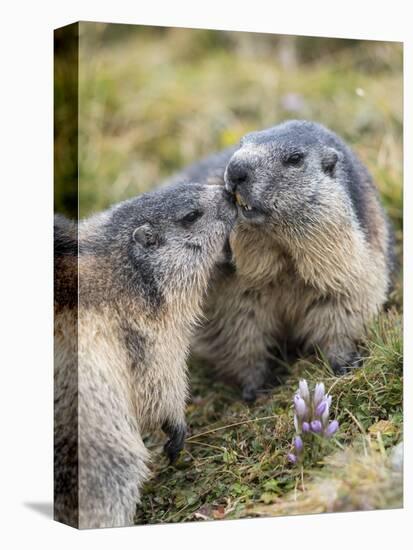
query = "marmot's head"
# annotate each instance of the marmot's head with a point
(293, 176)
(167, 242)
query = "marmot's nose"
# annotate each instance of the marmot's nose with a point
(236, 173)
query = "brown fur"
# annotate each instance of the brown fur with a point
(295, 288)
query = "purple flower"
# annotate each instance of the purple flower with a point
(316, 426)
(326, 412)
(318, 394)
(311, 416)
(331, 428)
(300, 406)
(298, 444)
(321, 407)
(304, 391)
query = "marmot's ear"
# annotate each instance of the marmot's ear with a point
(145, 235)
(329, 160)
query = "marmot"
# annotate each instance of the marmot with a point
(142, 268)
(313, 252)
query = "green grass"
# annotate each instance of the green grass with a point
(234, 464)
(154, 100)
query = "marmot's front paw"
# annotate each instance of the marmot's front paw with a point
(342, 366)
(175, 444)
(249, 393)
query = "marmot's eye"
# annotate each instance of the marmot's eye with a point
(191, 217)
(294, 159)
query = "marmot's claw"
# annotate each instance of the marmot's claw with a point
(344, 366)
(249, 394)
(339, 368)
(176, 441)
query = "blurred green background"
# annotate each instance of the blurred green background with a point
(154, 99)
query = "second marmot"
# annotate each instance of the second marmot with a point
(313, 252)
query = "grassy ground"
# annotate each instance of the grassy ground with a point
(152, 101)
(235, 462)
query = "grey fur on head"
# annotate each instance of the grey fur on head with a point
(294, 172)
(313, 252)
(143, 267)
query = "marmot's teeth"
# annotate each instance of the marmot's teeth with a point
(239, 200)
